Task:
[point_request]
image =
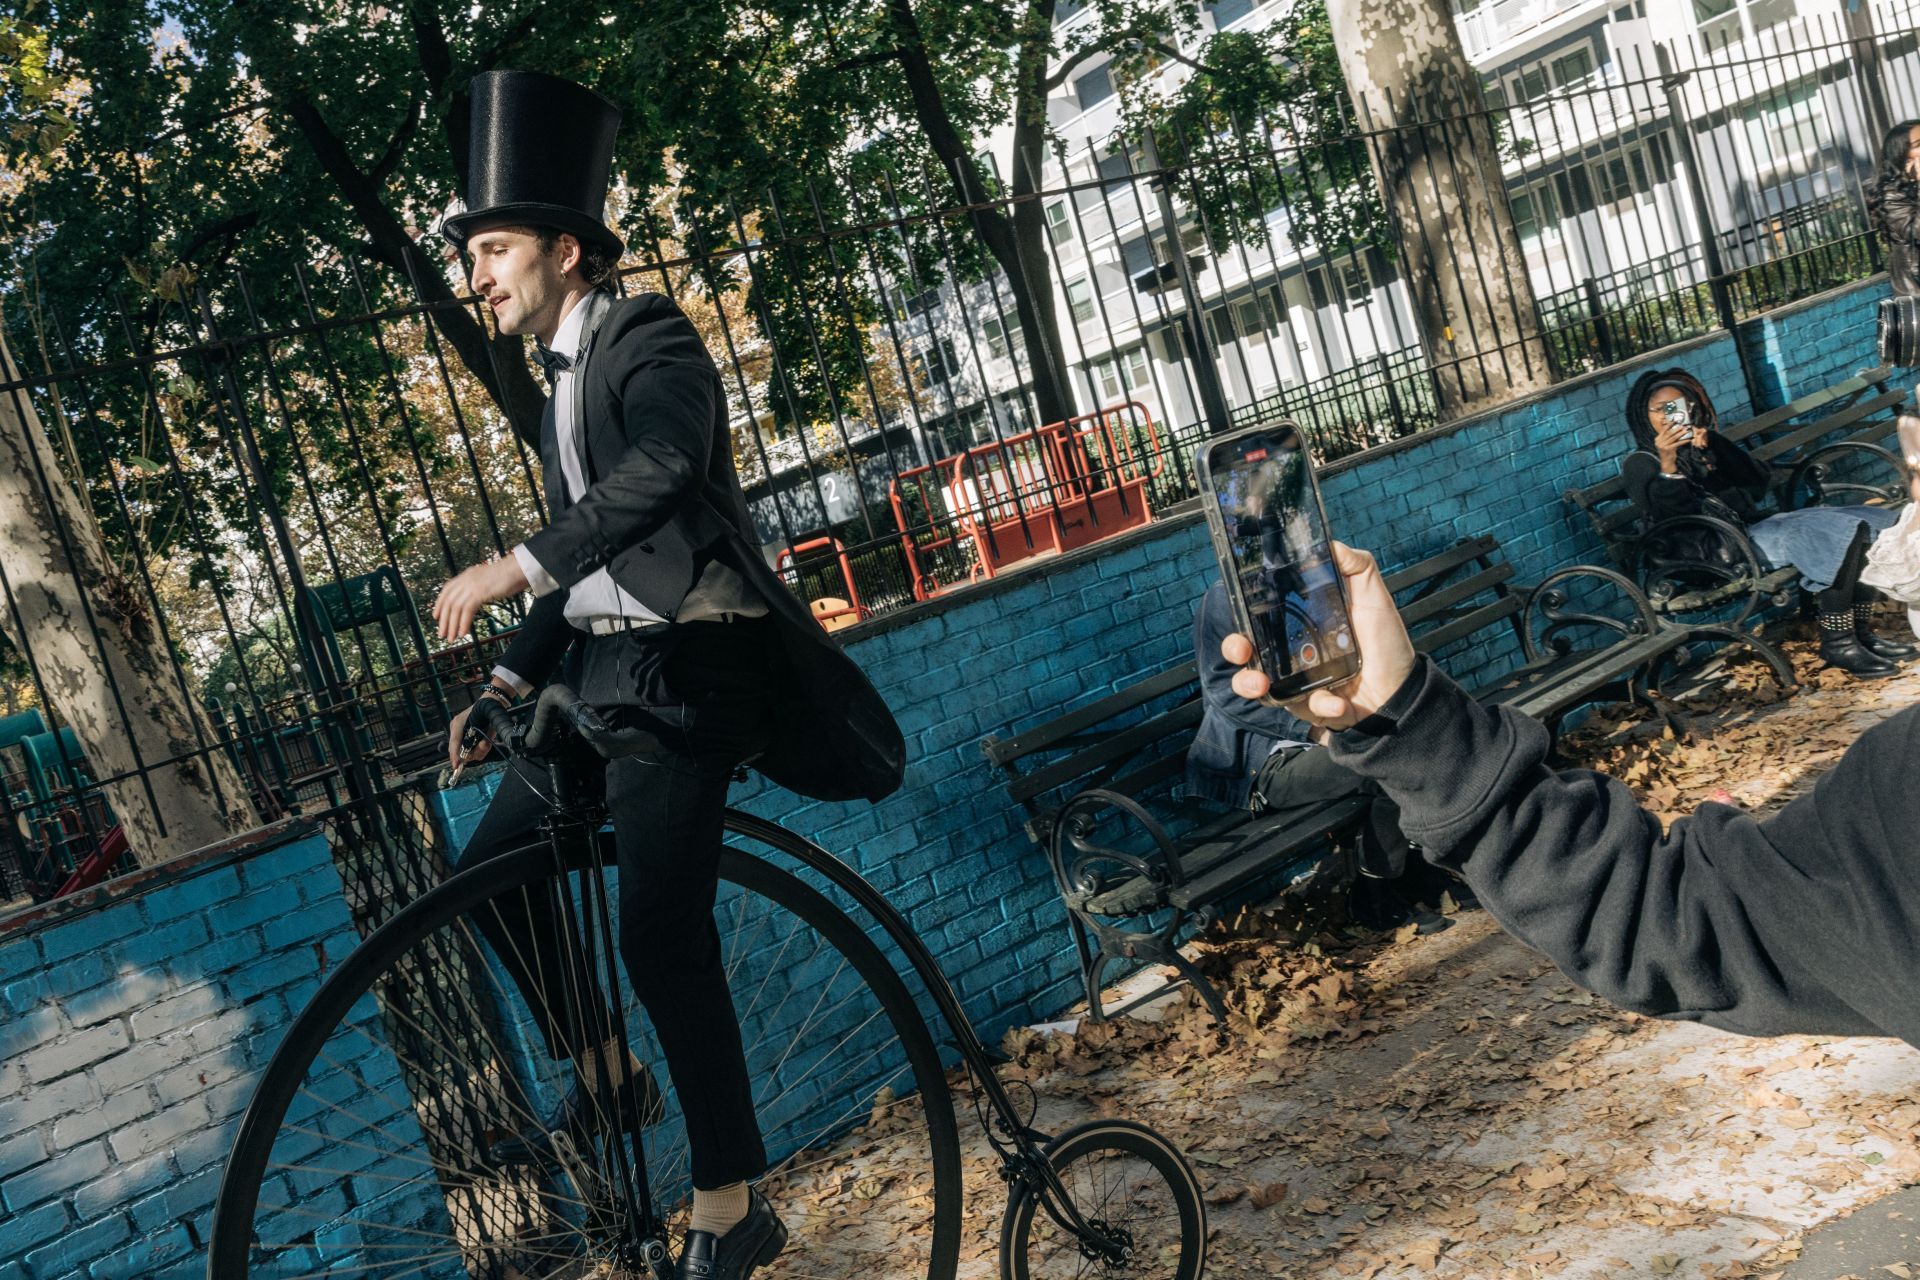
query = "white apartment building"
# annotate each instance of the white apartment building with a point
(1595, 176)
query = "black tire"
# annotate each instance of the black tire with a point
(432, 1111)
(1166, 1222)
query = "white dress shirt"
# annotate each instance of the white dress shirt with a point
(597, 596)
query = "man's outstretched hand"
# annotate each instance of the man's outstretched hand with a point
(1386, 651)
(462, 599)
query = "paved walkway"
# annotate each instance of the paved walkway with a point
(1451, 1106)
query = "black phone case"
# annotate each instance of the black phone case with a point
(1230, 571)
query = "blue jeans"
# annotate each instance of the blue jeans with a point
(1815, 540)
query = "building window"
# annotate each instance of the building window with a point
(1001, 334)
(1118, 375)
(1725, 22)
(1093, 87)
(1252, 322)
(1784, 130)
(1530, 84)
(938, 363)
(1350, 282)
(919, 304)
(1572, 68)
(1059, 222)
(1536, 212)
(1227, 12)
(1080, 300)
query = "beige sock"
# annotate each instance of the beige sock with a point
(717, 1211)
(620, 1061)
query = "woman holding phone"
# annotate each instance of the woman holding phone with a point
(1689, 468)
(1893, 204)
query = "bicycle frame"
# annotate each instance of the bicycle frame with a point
(1022, 1156)
(1021, 1152)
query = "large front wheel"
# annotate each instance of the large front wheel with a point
(372, 1147)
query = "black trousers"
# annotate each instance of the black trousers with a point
(701, 689)
(1299, 777)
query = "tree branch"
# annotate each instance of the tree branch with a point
(490, 57)
(430, 42)
(1065, 69)
(213, 231)
(402, 139)
(866, 60)
(507, 380)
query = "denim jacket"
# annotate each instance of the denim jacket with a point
(1236, 734)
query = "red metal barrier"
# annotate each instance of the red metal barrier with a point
(832, 614)
(94, 867)
(1033, 494)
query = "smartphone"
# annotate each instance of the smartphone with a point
(1276, 557)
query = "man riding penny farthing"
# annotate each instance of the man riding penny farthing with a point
(651, 600)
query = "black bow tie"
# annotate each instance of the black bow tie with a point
(552, 363)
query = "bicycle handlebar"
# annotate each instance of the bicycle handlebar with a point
(558, 711)
(561, 708)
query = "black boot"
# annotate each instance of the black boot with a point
(1372, 903)
(1839, 643)
(1880, 646)
(1840, 647)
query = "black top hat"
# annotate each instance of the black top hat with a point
(541, 149)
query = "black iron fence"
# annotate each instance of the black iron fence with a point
(278, 469)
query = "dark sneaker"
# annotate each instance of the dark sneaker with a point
(752, 1243)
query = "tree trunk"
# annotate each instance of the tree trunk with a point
(1017, 243)
(1460, 255)
(120, 691)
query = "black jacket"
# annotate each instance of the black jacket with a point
(1236, 734)
(664, 513)
(1897, 218)
(1804, 922)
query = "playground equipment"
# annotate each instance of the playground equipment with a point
(57, 835)
(1045, 491)
(832, 612)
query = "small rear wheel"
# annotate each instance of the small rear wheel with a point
(1133, 1188)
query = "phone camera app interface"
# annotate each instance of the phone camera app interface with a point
(1286, 569)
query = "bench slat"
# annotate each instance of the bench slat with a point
(1418, 611)
(1115, 746)
(1855, 386)
(1827, 425)
(1467, 624)
(1265, 846)
(1442, 564)
(1005, 751)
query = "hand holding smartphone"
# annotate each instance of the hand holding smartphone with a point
(1276, 558)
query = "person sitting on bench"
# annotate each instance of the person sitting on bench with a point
(1251, 755)
(1684, 467)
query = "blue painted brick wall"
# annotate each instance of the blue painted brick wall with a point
(132, 1036)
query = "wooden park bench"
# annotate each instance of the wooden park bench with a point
(1810, 467)
(1137, 864)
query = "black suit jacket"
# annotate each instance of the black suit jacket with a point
(665, 515)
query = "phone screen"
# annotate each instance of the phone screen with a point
(1277, 554)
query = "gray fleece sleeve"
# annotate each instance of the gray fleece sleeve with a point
(1568, 862)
